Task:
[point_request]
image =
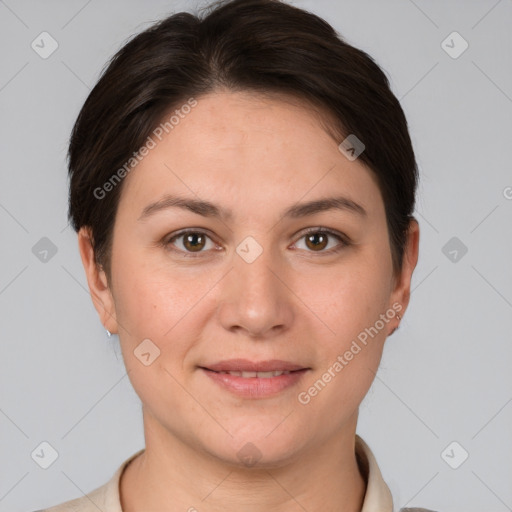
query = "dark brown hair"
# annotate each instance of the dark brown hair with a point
(264, 46)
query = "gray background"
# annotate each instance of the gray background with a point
(445, 375)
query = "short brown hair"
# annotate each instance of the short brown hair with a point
(240, 45)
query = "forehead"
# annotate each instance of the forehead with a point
(260, 150)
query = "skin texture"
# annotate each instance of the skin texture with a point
(256, 156)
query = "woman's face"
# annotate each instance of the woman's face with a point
(248, 282)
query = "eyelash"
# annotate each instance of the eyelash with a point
(345, 241)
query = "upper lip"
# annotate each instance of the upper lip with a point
(244, 365)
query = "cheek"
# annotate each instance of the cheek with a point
(349, 298)
(150, 308)
(351, 349)
(161, 305)
(353, 299)
(138, 307)
(146, 300)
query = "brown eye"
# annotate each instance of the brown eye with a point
(190, 243)
(193, 241)
(317, 241)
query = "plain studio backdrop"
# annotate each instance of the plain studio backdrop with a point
(438, 416)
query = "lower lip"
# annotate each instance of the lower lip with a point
(255, 387)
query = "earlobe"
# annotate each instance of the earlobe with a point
(398, 316)
(97, 280)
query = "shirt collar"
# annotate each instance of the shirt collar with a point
(378, 496)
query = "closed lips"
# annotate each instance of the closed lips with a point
(259, 375)
(248, 369)
(252, 379)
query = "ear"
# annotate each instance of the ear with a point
(98, 285)
(401, 292)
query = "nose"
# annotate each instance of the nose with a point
(255, 299)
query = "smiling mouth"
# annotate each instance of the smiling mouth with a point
(250, 384)
(255, 380)
(255, 375)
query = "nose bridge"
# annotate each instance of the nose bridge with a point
(254, 299)
(257, 278)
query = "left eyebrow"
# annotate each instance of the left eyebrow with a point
(207, 209)
(321, 205)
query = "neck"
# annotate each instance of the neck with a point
(171, 475)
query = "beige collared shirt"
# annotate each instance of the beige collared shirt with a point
(106, 498)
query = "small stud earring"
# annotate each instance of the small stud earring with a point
(109, 334)
(399, 318)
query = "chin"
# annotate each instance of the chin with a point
(260, 443)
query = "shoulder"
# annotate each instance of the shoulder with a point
(416, 509)
(88, 503)
(104, 498)
(98, 499)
